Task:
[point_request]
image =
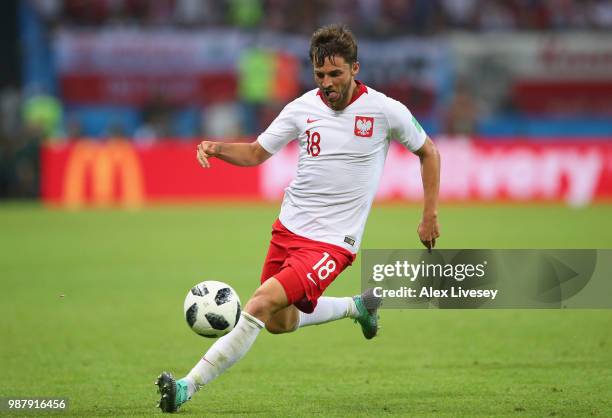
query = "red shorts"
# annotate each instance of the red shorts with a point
(304, 267)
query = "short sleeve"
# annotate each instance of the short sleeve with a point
(403, 126)
(281, 131)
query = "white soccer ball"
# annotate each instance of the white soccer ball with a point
(212, 308)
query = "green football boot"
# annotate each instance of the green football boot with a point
(173, 393)
(367, 306)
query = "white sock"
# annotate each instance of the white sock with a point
(329, 309)
(226, 351)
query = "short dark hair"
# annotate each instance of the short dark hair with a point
(330, 41)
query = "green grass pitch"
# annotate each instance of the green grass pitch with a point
(91, 309)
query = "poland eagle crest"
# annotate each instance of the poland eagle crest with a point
(364, 125)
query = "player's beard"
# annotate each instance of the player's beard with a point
(342, 100)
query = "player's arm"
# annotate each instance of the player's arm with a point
(429, 229)
(407, 130)
(282, 130)
(239, 153)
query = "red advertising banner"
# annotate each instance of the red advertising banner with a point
(86, 173)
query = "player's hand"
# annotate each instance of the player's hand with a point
(429, 231)
(206, 149)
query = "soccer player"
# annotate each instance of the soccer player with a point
(344, 129)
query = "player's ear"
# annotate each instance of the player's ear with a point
(355, 68)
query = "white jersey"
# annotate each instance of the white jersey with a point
(341, 160)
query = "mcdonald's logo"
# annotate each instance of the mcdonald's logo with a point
(113, 166)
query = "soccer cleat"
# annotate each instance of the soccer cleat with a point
(367, 306)
(173, 393)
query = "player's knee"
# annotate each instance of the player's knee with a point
(262, 306)
(268, 299)
(259, 307)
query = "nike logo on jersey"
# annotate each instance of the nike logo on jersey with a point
(311, 120)
(309, 277)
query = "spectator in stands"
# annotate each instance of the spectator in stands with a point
(371, 17)
(157, 115)
(245, 14)
(43, 115)
(600, 14)
(496, 16)
(460, 14)
(461, 115)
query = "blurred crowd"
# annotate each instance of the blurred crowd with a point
(22, 130)
(30, 115)
(367, 17)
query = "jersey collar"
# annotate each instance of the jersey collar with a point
(361, 88)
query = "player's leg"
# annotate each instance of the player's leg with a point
(305, 280)
(362, 308)
(292, 317)
(268, 298)
(328, 309)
